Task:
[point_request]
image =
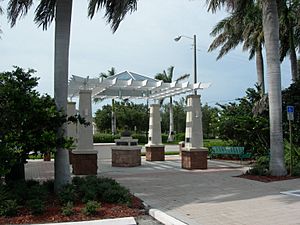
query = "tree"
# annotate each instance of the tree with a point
(289, 33)
(24, 131)
(110, 73)
(271, 37)
(245, 27)
(167, 77)
(47, 10)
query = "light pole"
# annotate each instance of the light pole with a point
(195, 55)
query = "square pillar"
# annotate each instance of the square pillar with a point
(155, 150)
(84, 158)
(194, 155)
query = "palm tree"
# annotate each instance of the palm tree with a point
(110, 73)
(167, 77)
(61, 10)
(289, 33)
(242, 27)
(271, 37)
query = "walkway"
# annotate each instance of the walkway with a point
(208, 197)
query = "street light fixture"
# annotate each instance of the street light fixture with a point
(195, 55)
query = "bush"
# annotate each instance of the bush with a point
(67, 194)
(261, 167)
(36, 206)
(9, 208)
(164, 138)
(180, 137)
(91, 208)
(117, 194)
(105, 138)
(68, 210)
(142, 138)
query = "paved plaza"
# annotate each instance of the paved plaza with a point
(200, 197)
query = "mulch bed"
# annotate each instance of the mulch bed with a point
(53, 213)
(266, 179)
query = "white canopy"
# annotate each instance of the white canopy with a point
(127, 85)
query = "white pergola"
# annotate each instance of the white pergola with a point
(127, 85)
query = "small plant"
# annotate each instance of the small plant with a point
(261, 167)
(91, 208)
(9, 208)
(36, 206)
(68, 210)
(67, 194)
(117, 194)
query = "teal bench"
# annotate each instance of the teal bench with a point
(222, 150)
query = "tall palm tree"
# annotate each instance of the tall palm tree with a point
(167, 77)
(289, 33)
(110, 73)
(271, 37)
(61, 10)
(242, 27)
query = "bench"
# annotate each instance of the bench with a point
(222, 150)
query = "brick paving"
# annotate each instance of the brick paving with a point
(201, 197)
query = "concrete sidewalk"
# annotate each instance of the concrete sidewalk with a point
(207, 197)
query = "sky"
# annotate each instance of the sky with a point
(144, 43)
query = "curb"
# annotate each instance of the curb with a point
(164, 218)
(118, 221)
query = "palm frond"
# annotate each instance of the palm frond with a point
(16, 9)
(170, 73)
(45, 13)
(184, 76)
(115, 10)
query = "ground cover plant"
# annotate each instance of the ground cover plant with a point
(84, 199)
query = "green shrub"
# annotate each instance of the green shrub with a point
(261, 166)
(296, 170)
(37, 191)
(105, 138)
(117, 194)
(142, 138)
(67, 194)
(91, 208)
(164, 138)
(9, 208)
(180, 137)
(49, 186)
(36, 206)
(68, 210)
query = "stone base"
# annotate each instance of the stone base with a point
(84, 164)
(196, 159)
(126, 157)
(155, 153)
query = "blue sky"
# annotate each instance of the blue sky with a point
(144, 43)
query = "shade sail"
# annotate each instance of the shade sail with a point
(128, 85)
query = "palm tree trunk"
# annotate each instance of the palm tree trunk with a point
(171, 130)
(61, 67)
(271, 35)
(260, 70)
(293, 55)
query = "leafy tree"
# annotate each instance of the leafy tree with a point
(210, 118)
(130, 114)
(28, 122)
(167, 77)
(271, 37)
(46, 11)
(238, 124)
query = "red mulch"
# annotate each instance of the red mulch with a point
(266, 179)
(53, 213)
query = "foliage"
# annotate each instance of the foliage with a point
(130, 114)
(142, 138)
(67, 194)
(36, 206)
(91, 208)
(105, 138)
(239, 125)
(33, 129)
(210, 121)
(295, 156)
(9, 208)
(261, 166)
(68, 210)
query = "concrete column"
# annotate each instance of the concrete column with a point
(194, 155)
(85, 157)
(71, 127)
(193, 130)
(155, 150)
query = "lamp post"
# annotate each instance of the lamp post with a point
(195, 55)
